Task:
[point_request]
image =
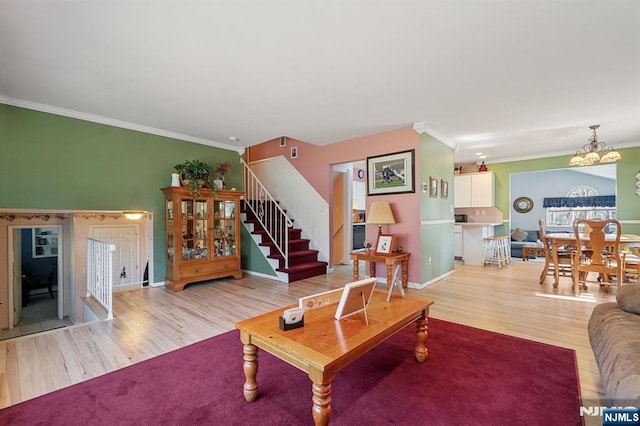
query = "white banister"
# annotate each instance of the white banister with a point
(100, 273)
(269, 213)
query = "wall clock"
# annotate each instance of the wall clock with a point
(523, 204)
(360, 174)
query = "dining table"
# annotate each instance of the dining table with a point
(558, 239)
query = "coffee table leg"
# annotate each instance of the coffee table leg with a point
(421, 338)
(321, 403)
(356, 271)
(250, 368)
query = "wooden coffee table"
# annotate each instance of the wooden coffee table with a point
(325, 345)
(531, 251)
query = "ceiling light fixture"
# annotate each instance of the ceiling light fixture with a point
(594, 152)
(133, 214)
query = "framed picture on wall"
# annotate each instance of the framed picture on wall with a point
(294, 152)
(283, 141)
(433, 187)
(391, 173)
(444, 188)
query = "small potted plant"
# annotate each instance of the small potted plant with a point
(194, 174)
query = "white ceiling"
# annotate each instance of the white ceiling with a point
(509, 78)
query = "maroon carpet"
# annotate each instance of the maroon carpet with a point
(472, 377)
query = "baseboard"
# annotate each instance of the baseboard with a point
(261, 275)
(430, 282)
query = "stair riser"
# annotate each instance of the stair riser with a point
(297, 260)
(292, 247)
(297, 276)
(281, 224)
(294, 234)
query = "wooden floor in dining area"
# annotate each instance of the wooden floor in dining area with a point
(153, 321)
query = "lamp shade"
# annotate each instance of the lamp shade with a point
(380, 213)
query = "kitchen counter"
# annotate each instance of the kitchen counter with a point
(473, 234)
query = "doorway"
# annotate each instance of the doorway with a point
(348, 203)
(36, 269)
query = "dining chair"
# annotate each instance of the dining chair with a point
(631, 264)
(597, 251)
(564, 258)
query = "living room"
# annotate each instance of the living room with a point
(65, 158)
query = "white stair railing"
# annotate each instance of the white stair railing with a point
(100, 273)
(269, 213)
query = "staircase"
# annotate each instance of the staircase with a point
(300, 262)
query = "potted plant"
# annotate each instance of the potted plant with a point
(194, 174)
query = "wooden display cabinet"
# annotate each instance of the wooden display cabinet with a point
(202, 236)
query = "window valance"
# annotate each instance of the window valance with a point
(595, 201)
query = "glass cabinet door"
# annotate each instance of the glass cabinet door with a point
(169, 228)
(224, 227)
(194, 229)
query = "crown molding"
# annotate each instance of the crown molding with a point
(421, 127)
(115, 123)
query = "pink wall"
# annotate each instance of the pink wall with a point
(315, 164)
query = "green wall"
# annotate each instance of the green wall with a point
(436, 236)
(54, 162)
(628, 203)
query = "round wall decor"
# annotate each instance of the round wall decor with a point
(523, 204)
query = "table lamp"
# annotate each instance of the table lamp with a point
(380, 213)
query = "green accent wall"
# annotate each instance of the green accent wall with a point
(436, 236)
(252, 259)
(628, 203)
(54, 162)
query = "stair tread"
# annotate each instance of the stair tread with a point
(303, 266)
(297, 241)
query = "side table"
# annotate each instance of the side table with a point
(388, 259)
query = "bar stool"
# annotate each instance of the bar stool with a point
(506, 246)
(495, 251)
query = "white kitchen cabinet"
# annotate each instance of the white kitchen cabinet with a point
(359, 195)
(474, 190)
(457, 240)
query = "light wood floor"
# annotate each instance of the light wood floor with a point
(153, 321)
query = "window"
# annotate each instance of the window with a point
(581, 202)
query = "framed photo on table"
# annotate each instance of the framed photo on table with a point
(384, 244)
(391, 173)
(355, 298)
